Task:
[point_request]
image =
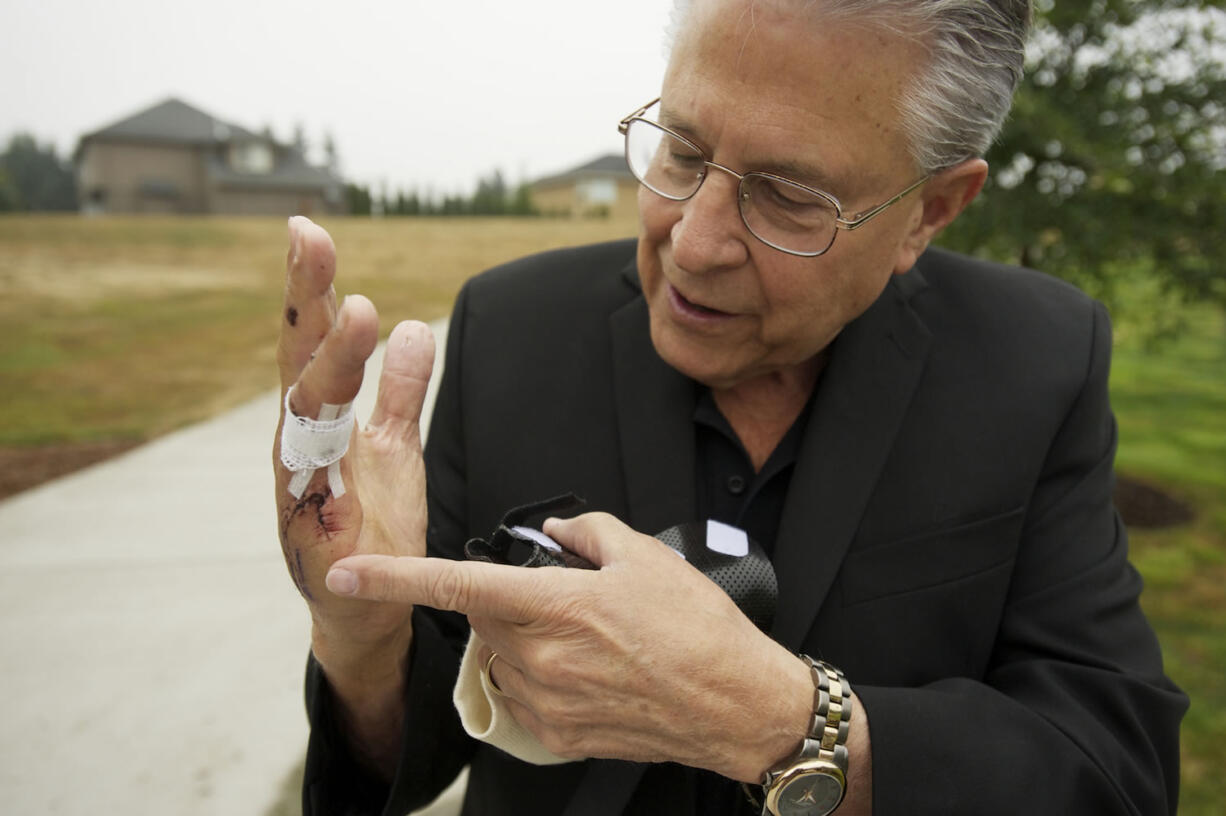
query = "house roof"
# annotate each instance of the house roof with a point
(171, 121)
(611, 164)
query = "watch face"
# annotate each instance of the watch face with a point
(809, 794)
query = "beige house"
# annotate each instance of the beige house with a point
(602, 187)
(174, 158)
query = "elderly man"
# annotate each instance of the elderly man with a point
(921, 442)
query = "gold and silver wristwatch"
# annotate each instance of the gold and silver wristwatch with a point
(812, 782)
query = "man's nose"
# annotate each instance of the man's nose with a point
(710, 234)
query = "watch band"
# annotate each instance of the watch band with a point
(826, 740)
(831, 713)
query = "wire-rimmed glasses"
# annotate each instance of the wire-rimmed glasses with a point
(781, 213)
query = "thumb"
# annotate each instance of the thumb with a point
(599, 537)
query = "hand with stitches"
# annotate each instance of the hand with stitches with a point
(321, 354)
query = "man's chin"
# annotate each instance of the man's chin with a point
(705, 364)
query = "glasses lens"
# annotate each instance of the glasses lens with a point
(662, 162)
(786, 215)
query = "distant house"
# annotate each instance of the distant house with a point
(174, 158)
(601, 187)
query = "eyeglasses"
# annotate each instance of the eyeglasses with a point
(780, 213)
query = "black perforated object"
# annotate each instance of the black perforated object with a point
(749, 580)
(509, 546)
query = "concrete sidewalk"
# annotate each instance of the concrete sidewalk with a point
(152, 642)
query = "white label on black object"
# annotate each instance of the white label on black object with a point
(539, 537)
(726, 539)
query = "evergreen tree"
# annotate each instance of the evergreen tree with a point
(34, 177)
(357, 199)
(332, 159)
(521, 202)
(10, 198)
(491, 195)
(1114, 160)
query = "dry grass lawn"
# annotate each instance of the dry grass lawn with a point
(116, 330)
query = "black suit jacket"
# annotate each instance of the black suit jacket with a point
(948, 539)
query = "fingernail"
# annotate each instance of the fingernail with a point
(342, 316)
(341, 581)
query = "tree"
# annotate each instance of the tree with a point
(491, 195)
(454, 205)
(36, 177)
(521, 202)
(1114, 160)
(10, 198)
(357, 199)
(332, 159)
(412, 204)
(300, 139)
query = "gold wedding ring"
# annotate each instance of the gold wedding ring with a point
(489, 678)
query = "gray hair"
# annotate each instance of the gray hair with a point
(956, 106)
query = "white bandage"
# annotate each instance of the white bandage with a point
(309, 444)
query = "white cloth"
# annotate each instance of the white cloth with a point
(484, 714)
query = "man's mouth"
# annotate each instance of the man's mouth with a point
(687, 306)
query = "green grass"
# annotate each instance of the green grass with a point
(1170, 401)
(126, 328)
(130, 368)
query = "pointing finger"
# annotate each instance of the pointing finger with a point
(508, 593)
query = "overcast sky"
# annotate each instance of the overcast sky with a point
(425, 94)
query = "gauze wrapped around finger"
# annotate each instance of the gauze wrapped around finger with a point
(309, 444)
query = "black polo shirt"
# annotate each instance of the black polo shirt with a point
(730, 491)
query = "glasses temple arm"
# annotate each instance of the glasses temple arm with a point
(865, 217)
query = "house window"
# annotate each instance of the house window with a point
(251, 157)
(596, 191)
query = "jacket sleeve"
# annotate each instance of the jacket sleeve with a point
(434, 745)
(1074, 714)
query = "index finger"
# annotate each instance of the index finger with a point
(513, 594)
(310, 301)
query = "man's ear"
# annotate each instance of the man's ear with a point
(944, 196)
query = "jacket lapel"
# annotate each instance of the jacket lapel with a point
(655, 409)
(863, 396)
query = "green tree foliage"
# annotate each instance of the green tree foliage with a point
(357, 199)
(34, 178)
(521, 201)
(9, 197)
(1114, 160)
(492, 197)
